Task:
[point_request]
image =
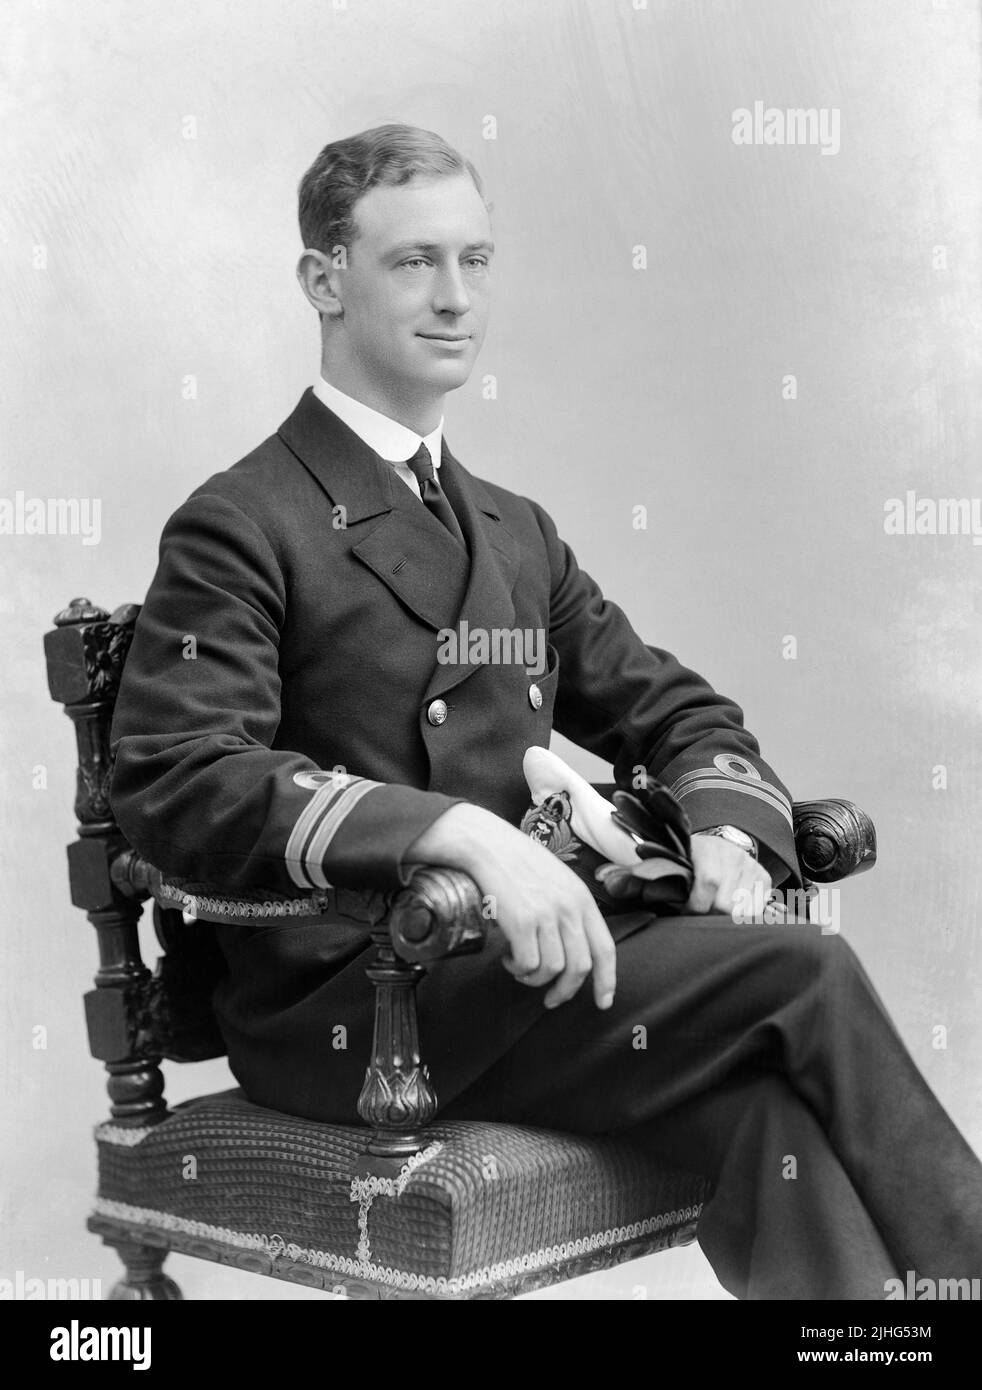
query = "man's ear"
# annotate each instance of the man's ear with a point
(320, 279)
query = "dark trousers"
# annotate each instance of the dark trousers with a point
(760, 1056)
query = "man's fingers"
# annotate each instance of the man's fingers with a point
(705, 890)
(547, 953)
(565, 950)
(730, 881)
(523, 957)
(741, 882)
(745, 894)
(721, 871)
(577, 967)
(603, 953)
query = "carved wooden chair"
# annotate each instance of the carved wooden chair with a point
(401, 1207)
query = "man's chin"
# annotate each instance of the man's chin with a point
(447, 376)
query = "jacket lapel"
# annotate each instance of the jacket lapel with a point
(415, 556)
(406, 547)
(403, 543)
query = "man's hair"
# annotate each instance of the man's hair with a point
(347, 169)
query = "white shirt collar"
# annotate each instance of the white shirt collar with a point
(391, 441)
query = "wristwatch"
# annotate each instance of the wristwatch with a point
(735, 837)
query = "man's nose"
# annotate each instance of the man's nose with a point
(450, 292)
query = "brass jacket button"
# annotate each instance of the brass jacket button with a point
(535, 697)
(437, 711)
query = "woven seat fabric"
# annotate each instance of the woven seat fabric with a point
(479, 1206)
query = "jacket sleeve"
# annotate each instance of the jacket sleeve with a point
(197, 786)
(639, 708)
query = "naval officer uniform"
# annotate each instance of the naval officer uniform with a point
(314, 577)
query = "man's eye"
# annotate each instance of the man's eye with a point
(415, 261)
(477, 262)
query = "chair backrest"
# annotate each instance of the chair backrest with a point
(130, 1012)
(135, 1018)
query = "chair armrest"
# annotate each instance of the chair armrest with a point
(438, 914)
(834, 839)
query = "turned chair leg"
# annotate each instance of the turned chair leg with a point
(145, 1279)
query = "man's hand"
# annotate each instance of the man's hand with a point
(554, 928)
(721, 870)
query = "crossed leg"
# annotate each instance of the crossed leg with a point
(761, 1056)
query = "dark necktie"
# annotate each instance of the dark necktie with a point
(432, 493)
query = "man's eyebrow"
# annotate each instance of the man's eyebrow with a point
(430, 246)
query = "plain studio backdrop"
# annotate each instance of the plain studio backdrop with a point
(759, 344)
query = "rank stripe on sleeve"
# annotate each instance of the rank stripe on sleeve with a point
(316, 826)
(709, 779)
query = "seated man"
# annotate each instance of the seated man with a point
(294, 627)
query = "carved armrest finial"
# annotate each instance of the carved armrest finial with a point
(834, 839)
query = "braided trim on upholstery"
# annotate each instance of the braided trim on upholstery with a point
(196, 904)
(108, 1133)
(275, 1246)
(365, 1190)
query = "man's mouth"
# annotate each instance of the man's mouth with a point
(446, 337)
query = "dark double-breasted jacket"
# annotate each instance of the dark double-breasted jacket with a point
(293, 627)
